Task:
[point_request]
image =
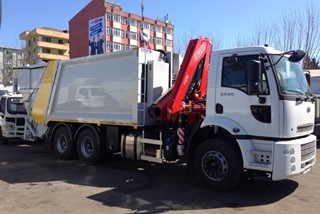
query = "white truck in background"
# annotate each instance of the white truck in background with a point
(228, 112)
(12, 117)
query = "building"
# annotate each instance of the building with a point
(102, 26)
(44, 44)
(9, 58)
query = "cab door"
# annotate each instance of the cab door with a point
(256, 113)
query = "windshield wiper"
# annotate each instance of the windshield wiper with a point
(290, 91)
(310, 96)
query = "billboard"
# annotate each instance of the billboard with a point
(97, 36)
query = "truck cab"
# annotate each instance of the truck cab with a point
(260, 98)
(12, 117)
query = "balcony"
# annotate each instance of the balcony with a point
(49, 56)
(50, 45)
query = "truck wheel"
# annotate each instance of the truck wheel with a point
(218, 165)
(90, 149)
(63, 145)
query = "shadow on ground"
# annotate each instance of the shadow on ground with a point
(138, 186)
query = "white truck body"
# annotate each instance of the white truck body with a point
(106, 89)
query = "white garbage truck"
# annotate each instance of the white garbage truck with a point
(228, 112)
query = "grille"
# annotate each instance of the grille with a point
(20, 121)
(308, 150)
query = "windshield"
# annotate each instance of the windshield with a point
(290, 76)
(16, 106)
(3, 92)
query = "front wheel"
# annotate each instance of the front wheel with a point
(218, 165)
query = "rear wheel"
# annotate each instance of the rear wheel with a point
(63, 145)
(90, 149)
(218, 165)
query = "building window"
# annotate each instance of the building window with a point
(46, 50)
(60, 41)
(60, 52)
(157, 28)
(115, 46)
(115, 18)
(132, 22)
(158, 41)
(8, 57)
(115, 32)
(46, 39)
(145, 25)
(169, 30)
(29, 43)
(109, 31)
(168, 43)
(131, 47)
(132, 35)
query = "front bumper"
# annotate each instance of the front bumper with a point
(293, 157)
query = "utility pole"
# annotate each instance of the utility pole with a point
(0, 12)
(142, 7)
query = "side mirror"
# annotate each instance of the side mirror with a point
(297, 56)
(254, 74)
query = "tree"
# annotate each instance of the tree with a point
(310, 63)
(295, 29)
(12, 57)
(181, 43)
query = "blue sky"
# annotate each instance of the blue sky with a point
(225, 20)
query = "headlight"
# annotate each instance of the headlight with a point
(10, 125)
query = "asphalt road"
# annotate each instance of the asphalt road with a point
(33, 180)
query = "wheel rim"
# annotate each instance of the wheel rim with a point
(214, 165)
(62, 143)
(87, 147)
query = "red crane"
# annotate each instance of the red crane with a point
(190, 86)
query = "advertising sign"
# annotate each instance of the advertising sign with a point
(97, 36)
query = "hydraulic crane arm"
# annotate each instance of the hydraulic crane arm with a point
(191, 82)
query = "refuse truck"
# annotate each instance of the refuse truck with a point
(223, 114)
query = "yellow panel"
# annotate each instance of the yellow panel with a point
(41, 103)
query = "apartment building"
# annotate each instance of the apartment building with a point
(9, 58)
(103, 26)
(44, 44)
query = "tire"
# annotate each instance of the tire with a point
(63, 145)
(90, 149)
(218, 165)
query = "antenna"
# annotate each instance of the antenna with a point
(142, 7)
(0, 12)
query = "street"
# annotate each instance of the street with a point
(33, 180)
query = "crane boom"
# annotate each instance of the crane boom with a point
(191, 82)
